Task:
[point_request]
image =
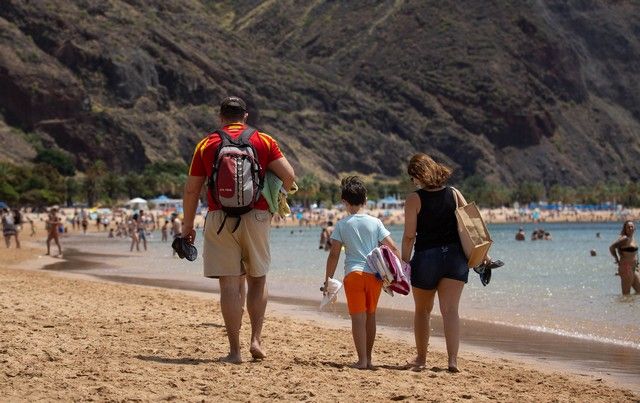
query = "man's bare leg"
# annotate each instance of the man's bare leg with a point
(256, 306)
(232, 306)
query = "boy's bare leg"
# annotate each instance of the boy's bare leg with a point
(48, 245)
(256, 306)
(371, 336)
(359, 331)
(232, 306)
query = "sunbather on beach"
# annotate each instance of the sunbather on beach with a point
(360, 234)
(625, 253)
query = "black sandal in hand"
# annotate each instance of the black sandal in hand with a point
(484, 270)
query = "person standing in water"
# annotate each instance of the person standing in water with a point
(625, 254)
(53, 224)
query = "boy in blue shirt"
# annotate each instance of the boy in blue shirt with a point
(360, 234)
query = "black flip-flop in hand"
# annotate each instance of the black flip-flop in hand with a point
(484, 270)
(184, 249)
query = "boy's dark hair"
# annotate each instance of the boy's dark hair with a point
(353, 191)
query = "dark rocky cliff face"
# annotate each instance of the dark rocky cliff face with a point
(537, 90)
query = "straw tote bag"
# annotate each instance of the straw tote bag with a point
(473, 232)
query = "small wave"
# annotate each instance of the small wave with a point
(575, 335)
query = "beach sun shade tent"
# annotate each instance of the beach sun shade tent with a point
(137, 203)
(3, 205)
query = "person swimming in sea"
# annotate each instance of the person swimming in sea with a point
(625, 252)
(520, 236)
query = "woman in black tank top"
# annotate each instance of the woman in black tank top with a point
(438, 265)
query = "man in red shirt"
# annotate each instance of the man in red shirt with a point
(240, 255)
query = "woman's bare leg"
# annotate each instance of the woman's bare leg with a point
(449, 292)
(423, 301)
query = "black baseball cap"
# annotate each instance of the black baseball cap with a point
(232, 106)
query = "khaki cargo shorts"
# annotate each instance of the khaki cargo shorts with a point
(245, 251)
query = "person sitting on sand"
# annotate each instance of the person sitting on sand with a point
(53, 224)
(520, 235)
(360, 234)
(625, 252)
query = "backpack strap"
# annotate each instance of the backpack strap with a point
(224, 221)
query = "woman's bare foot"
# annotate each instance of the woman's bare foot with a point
(416, 363)
(256, 351)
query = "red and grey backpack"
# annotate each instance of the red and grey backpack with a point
(236, 179)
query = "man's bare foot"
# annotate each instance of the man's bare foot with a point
(256, 351)
(232, 359)
(359, 365)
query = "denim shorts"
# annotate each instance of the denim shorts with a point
(430, 265)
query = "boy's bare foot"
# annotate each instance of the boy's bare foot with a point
(371, 367)
(453, 369)
(232, 359)
(256, 351)
(359, 365)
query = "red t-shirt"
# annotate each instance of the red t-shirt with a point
(202, 163)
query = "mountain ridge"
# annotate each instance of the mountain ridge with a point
(538, 90)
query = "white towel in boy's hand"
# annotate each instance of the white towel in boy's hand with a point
(332, 289)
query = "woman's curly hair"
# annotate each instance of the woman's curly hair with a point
(430, 173)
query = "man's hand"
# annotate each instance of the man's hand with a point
(188, 233)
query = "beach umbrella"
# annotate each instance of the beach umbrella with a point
(3, 205)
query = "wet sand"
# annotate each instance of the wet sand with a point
(67, 337)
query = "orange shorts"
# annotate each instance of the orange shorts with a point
(362, 290)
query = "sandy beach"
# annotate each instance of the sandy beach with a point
(68, 337)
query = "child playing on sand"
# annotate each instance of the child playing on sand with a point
(360, 234)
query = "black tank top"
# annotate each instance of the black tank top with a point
(437, 223)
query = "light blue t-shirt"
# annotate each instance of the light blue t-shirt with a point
(360, 234)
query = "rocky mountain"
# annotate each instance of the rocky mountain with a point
(527, 90)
